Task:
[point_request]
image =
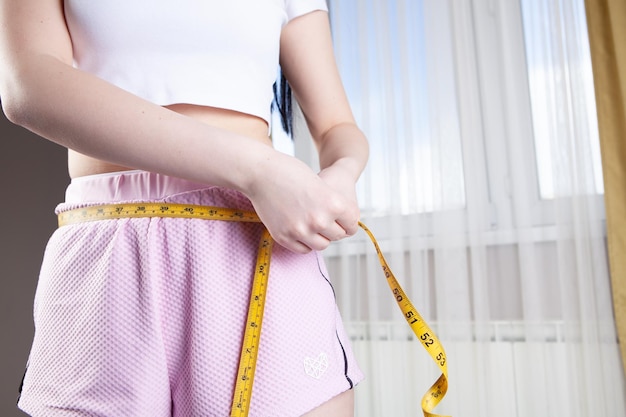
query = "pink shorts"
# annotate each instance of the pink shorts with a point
(145, 317)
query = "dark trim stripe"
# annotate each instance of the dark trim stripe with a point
(21, 387)
(345, 357)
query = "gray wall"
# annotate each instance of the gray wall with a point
(33, 177)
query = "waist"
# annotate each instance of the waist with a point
(147, 187)
(241, 123)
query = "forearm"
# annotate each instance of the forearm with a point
(86, 114)
(345, 146)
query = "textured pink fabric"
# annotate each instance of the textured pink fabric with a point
(144, 317)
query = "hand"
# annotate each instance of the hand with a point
(303, 211)
(340, 180)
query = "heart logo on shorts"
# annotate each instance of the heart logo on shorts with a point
(316, 367)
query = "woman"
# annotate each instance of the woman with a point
(156, 103)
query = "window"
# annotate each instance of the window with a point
(403, 92)
(468, 106)
(559, 70)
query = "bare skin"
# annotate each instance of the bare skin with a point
(109, 129)
(240, 123)
(340, 406)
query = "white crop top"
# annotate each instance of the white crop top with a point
(219, 53)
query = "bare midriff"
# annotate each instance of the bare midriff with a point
(245, 124)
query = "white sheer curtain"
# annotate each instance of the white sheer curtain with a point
(484, 190)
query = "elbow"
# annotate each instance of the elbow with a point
(13, 102)
(19, 94)
(26, 89)
(20, 106)
(11, 109)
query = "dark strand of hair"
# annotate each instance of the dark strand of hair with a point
(282, 103)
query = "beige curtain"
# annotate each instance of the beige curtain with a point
(606, 20)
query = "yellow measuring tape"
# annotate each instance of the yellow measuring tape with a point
(252, 335)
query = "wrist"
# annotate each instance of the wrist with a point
(254, 168)
(348, 167)
(344, 147)
(268, 166)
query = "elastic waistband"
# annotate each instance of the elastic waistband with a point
(126, 186)
(142, 186)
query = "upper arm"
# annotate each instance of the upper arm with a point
(30, 29)
(308, 61)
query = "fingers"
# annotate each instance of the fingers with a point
(306, 214)
(305, 241)
(349, 224)
(305, 245)
(348, 221)
(317, 237)
(334, 232)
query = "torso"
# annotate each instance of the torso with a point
(241, 123)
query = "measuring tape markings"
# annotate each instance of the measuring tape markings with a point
(252, 335)
(250, 346)
(119, 211)
(421, 329)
